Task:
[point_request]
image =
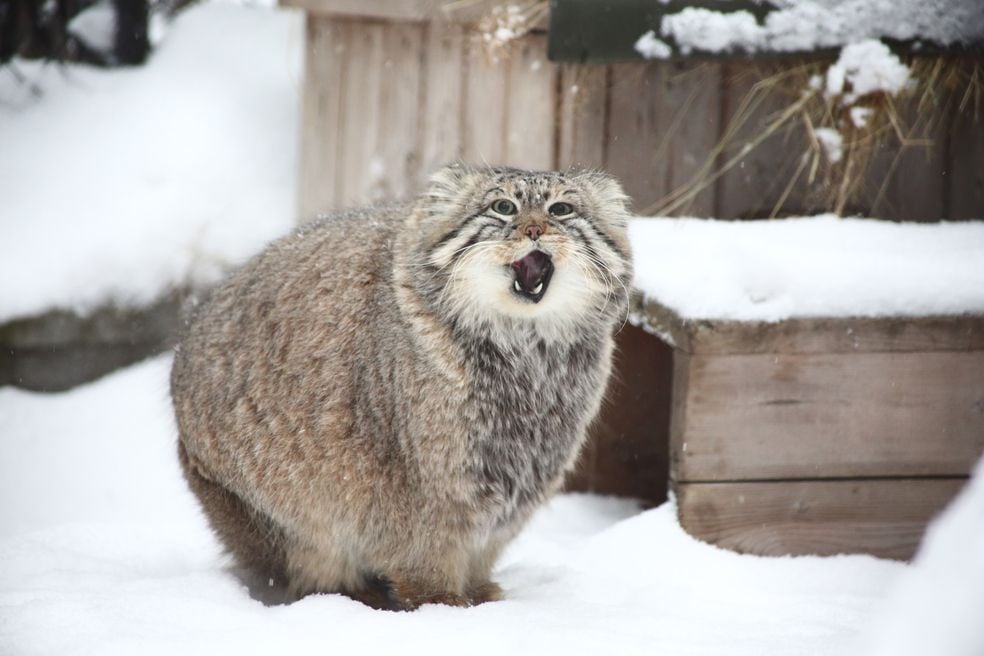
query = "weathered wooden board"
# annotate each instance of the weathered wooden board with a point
(444, 82)
(637, 127)
(965, 171)
(360, 89)
(886, 518)
(485, 107)
(530, 118)
(753, 187)
(394, 166)
(583, 116)
(828, 415)
(816, 335)
(692, 99)
(321, 117)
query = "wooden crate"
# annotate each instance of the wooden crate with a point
(822, 436)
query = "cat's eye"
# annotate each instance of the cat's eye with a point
(560, 209)
(504, 207)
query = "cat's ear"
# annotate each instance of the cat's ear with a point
(451, 182)
(605, 195)
(604, 189)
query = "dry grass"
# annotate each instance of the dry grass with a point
(895, 125)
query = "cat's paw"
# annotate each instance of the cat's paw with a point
(483, 592)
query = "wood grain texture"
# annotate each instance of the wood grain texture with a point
(886, 518)
(907, 182)
(485, 106)
(531, 109)
(361, 139)
(753, 186)
(441, 125)
(395, 170)
(583, 114)
(636, 126)
(320, 117)
(790, 416)
(360, 89)
(816, 335)
(690, 100)
(965, 168)
(663, 122)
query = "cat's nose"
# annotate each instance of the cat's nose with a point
(533, 230)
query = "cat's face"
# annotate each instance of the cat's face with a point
(549, 247)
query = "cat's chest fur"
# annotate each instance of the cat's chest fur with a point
(531, 404)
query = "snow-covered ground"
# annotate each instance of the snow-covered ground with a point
(104, 551)
(116, 185)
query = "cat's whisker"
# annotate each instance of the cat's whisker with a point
(609, 276)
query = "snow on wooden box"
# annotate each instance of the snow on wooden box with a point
(812, 434)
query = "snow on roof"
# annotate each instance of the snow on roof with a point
(803, 25)
(822, 266)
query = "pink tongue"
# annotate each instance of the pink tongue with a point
(531, 269)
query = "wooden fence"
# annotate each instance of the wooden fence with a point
(392, 96)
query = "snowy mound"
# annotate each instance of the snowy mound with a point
(821, 267)
(935, 607)
(119, 185)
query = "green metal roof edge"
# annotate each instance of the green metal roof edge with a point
(605, 31)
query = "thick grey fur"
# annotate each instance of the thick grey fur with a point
(369, 407)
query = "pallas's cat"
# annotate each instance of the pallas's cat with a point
(375, 404)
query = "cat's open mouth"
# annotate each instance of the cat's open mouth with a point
(532, 275)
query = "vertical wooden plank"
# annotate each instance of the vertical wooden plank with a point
(485, 103)
(691, 124)
(634, 131)
(394, 160)
(361, 87)
(320, 116)
(886, 518)
(965, 168)
(531, 109)
(678, 412)
(441, 125)
(662, 127)
(753, 186)
(582, 116)
(907, 182)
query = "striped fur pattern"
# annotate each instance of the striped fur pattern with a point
(377, 403)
